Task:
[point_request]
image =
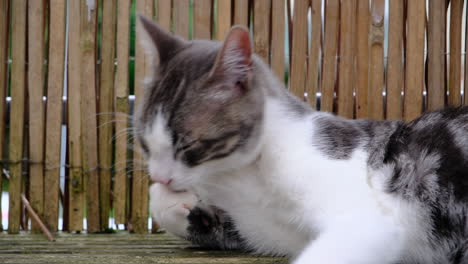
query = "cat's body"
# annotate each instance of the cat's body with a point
(295, 181)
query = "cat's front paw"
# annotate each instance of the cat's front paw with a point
(171, 209)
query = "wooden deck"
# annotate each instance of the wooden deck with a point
(115, 248)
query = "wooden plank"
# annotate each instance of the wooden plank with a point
(347, 56)
(376, 60)
(54, 113)
(88, 113)
(277, 39)
(414, 75)
(106, 100)
(18, 90)
(164, 14)
(332, 14)
(299, 49)
(241, 12)
(4, 37)
(395, 70)
(436, 85)
(140, 182)
(202, 19)
(262, 29)
(75, 171)
(36, 71)
(223, 19)
(122, 110)
(314, 54)
(181, 18)
(362, 58)
(456, 13)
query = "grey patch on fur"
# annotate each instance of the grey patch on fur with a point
(338, 137)
(430, 162)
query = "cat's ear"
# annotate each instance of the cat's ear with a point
(159, 44)
(234, 61)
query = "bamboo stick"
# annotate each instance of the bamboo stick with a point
(18, 90)
(223, 19)
(164, 14)
(36, 106)
(347, 58)
(241, 12)
(202, 19)
(456, 14)
(414, 75)
(122, 109)
(329, 54)
(376, 69)
(436, 85)
(277, 39)
(4, 40)
(395, 70)
(299, 49)
(106, 107)
(312, 86)
(76, 184)
(181, 18)
(262, 29)
(362, 59)
(88, 114)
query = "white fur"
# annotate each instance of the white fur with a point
(170, 209)
(287, 197)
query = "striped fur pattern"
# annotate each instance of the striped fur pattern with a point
(241, 163)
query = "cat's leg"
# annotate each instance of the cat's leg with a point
(355, 242)
(184, 215)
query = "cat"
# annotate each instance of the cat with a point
(215, 122)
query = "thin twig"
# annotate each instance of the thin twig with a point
(33, 214)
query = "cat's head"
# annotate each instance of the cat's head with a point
(200, 113)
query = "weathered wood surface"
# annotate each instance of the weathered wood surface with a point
(115, 248)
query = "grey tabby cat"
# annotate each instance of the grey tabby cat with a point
(241, 163)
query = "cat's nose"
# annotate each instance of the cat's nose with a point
(163, 182)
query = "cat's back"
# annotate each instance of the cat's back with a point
(429, 157)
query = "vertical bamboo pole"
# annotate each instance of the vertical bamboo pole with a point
(36, 107)
(106, 95)
(181, 18)
(75, 172)
(314, 54)
(456, 13)
(332, 9)
(277, 38)
(202, 19)
(140, 179)
(347, 58)
(54, 112)
(376, 70)
(164, 13)
(241, 12)
(18, 90)
(4, 37)
(395, 71)
(414, 76)
(223, 19)
(362, 58)
(122, 110)
(88, 113)
(262, 29)
(436, 85)
(299, 49)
